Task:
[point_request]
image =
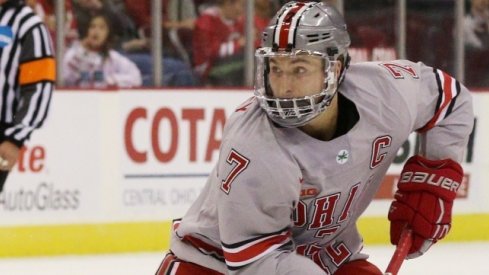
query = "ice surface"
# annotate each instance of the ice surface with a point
(442, 259)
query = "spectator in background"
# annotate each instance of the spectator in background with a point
(46, 10)
(181, 14)
(476, 33)
(181, 17)
(92, 63)
(176, 71)
(264, 10)
(476, 25)
(218, 42)
(86, 9)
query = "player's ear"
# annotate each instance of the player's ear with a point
(344, 62)
(338, 67)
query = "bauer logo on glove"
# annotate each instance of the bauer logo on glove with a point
(433, 179)
(424, 201)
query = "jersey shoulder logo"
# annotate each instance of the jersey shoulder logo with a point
(398, 71)
(6, 36)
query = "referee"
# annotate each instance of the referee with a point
(27, 74)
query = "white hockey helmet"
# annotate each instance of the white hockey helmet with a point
(302, 28)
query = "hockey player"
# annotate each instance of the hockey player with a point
(302, 159)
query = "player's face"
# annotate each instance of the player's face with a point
(3, 1)
(98, 32)
(296, 76)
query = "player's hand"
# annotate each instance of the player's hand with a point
(424, 200)
(9, 153)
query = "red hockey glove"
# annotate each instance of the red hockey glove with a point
(423, 202)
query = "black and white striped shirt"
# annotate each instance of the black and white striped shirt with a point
(27, 72)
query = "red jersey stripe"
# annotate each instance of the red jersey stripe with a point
(203, 246)
(447, 98)
(247, 252)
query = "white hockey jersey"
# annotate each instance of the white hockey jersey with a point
(279, 201)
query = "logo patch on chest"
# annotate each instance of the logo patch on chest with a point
(342, 156)
(309, 192)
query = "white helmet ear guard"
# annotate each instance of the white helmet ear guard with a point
(293, 112)
(299, 28)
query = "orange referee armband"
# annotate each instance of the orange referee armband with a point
(37, 70)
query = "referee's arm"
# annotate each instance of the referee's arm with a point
(36, 77)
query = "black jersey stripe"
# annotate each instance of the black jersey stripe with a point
(29, 41)
(440, 90)
(452, 103)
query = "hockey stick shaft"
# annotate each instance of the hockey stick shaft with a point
(402, 249)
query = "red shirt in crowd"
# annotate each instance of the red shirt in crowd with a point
(215, 37)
